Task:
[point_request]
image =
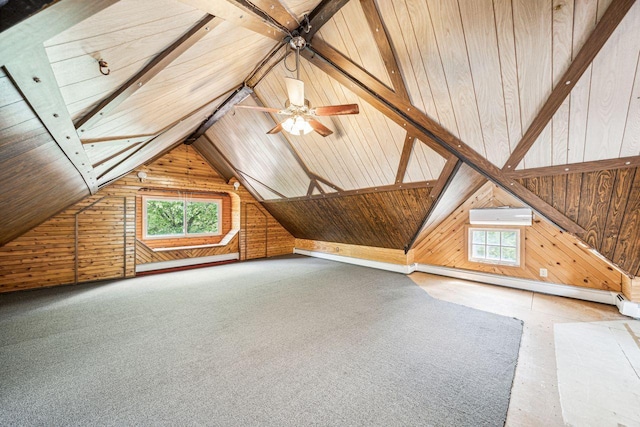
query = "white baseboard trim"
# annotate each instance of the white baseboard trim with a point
(586, 294)
(396, 268)
(185, 262)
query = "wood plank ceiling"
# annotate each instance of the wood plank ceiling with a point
(436, 80)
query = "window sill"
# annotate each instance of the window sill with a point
(225, 241)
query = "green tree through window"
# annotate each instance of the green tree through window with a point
(174, 217)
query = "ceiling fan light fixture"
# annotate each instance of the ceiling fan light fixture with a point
(297, 125)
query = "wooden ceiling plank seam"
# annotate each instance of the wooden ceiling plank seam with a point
(347, 149)
(612, 76)
(279, 194)
(633, 110)
(269, 62)
(449, 38)
(343, 70)
(477, 21)
(239, 95)
(19, 39)
(238, 176)
(614, 14)
(592, 166)
(35, 79)
(368, 91)
(156, 136)
(116, 154)
(267, 194)
(404, 158)
(418, 78)
(322, 13)
(346, 193)
(218, 165)
(159, 63)
(505, 37)
(446, 176)
(631, 139)
(383, 42)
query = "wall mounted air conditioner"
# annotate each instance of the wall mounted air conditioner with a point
(500, 216)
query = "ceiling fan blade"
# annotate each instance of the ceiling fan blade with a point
(295, 90)
(320, 128)
(255, 107)
(336, 110)
(276, 129)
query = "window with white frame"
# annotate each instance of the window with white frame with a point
(170, 217)
(495, 246)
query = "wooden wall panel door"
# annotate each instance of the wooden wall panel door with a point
(255, 229)
(101, 240)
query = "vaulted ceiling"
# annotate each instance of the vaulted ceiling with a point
(510, 89)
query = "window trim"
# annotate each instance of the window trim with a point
(520, 236)
(184, 200)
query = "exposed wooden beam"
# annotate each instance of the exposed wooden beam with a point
(404, 158)
(276, 192)
(323, 12)
(265, 66)
(369, 190)
(381, 36)
(599, 36)
(325, 182)
(186, 119)
(270, 12)
(230, 10)
(596, 165)
(116, 154)
(366, 86)
(236, 97)
(159, 63)
(118, 140)
(312, 186)
(447, 174)
(21, 38)
(393, 106)
(238, 176)
(37, 83)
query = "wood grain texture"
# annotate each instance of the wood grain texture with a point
(95, 239)
(606, 204)
(385, 219)
(602, 90)
(545, 247)
(342, 69)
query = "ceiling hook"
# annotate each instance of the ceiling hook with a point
(103, 64)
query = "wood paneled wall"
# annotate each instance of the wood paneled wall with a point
(262, 235)
(566, 261)
(386, 219)
(96, 238)
(605, 203)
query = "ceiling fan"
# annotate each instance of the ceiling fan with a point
(301, 116)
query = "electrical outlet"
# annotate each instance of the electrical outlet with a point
(543, 272)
